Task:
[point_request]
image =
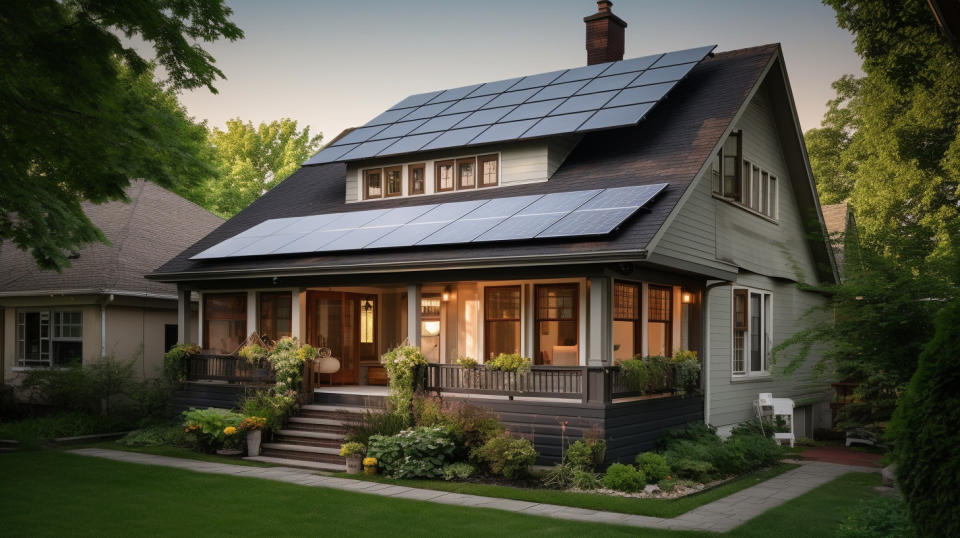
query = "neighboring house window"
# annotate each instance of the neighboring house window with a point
(373, 183)
(430, 326)
(626, 320)
(224, 321)
(726, 167)
(760, 190)
(556, 325)
(394, 180)
(466, 173)
(659, 320)
(170, 335)
(501, 320)
(752, 331)
(488, 168)
(276, 314)
(444, 176)
(418, 178)
(49, 337)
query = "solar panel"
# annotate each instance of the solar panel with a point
(504, 131)
(531, 97)
(410, 143)
(562, 214)
(616, 117)
(567, 123)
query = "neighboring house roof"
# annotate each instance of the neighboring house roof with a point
(152, 227)
(839, 222)
(672, 145)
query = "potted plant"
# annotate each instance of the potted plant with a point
(254, 428)
(231, 442)
(353, 452)
(370, 466)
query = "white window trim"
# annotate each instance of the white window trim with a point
(766, 319)
(429, 177)
(19, 359)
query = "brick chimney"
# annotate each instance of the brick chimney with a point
(604, 35)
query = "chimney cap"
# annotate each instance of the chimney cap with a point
(603, 12)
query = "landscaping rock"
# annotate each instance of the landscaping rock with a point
(651, 489)
(889, 475)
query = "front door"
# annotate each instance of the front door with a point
(333, 321)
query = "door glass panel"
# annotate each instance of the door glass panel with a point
(430, 327)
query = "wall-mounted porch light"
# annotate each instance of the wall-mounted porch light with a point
(686, 297)
(446, 294)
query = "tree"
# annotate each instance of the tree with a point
(80, 115)
(252, 160)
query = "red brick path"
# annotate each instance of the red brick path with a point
(842, 455)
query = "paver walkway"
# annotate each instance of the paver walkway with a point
(719, 516)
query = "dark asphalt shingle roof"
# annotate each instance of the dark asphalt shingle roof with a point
(149, 230)
(670, 146)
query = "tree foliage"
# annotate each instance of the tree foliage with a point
(80, 114)
(252, 160)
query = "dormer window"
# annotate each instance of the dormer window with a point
(394, 180)
(444, 176)
(487, 166)
(742, 182)
(373, 183)
(417, 173)
(466, 173)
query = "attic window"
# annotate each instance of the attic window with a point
(417, 173)
(726, 168)
(373, 183)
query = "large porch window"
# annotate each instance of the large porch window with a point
(626, 320)
(224, 321)
(659, 320)
(49, 337)
(276, 314)
(557, 324)
(501, 320)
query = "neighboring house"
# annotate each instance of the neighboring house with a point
(541, 216)
(102, 304)
(842, 231)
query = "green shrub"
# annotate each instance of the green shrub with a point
(560, 476)
(580, 455)
(207, 430)
(176, 362)
(62, 425)
(364, 426)
(692, 469)
(272, 405)
(878, 518)
(467, 362)
(155, 436)
(509, 362)
(583, 479)
(667, 484)
(402, 364)
(686, 372)
(925, 434)
(695, 431)
(624, 478)
(755, 450)
(469, 425)
(458, 471)
(653, 465)
(752, 427)
(414, 453)
(67, 389)
(507, 456)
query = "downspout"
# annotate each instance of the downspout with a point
(705, 339)
(103, 325)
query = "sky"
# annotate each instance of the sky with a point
(336, 64)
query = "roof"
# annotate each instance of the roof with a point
(154, 226)
(837, 219)
(670, 146)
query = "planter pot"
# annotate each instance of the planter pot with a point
(354, 463)
(369, 469)
(229, 451)
(326, 365)
(253, 442)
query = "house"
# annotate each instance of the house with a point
(577, 217)
(842, 231)
(102, 304)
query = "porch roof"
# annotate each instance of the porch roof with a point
(670, 146)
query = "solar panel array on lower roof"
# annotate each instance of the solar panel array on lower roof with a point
(559, 214)
(600, 96)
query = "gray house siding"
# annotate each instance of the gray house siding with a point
(771, 256)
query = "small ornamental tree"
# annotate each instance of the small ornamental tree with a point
(401, 364)
(925, 434)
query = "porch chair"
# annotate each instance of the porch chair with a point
(767, 406)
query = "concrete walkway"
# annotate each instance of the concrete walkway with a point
(719, 516)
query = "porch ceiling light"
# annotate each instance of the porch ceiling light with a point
(446, 294)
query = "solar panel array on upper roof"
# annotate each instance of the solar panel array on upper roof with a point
(559, 214)
(600, 96)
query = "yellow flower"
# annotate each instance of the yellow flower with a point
(229, 430)
(369, 461)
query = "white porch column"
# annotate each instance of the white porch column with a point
(183, 315)
(600, 322)
(295, 330)
(251, 313)
(413, 314)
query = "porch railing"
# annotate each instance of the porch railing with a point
(228, 368)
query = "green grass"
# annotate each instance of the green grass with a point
(57, 494)
(171, 451)
(32, 430)
(818, 512)
(591, 501)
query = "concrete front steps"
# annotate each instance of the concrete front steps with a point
(313, 437)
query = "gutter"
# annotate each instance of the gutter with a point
(103, 325)
(88, 291)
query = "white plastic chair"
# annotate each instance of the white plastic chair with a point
(783, 407)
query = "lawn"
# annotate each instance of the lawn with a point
(173, 452)
(592, 501)
(53, 493)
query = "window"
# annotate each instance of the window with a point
(416, 174)
(276, 314)
(224, 321)
(760, 188)
(752, 322)
(430, 326)
(659, 320)
(501, 320)
(726, 167)
(626, 320)
(466, 173)
(488, 169)
(373, 183)
(394, 180)
(556, 325)
(170, 335)
(444, 176)
(49, 337)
